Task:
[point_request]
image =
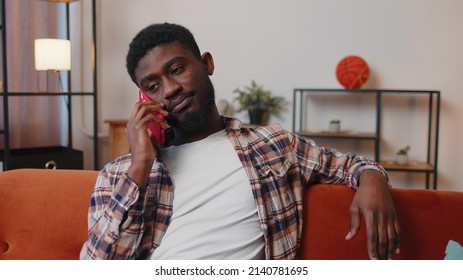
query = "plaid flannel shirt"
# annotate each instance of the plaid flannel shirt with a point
(127, 221)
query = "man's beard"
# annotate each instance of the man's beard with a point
(195, 120)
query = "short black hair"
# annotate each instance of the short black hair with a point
(155, 35)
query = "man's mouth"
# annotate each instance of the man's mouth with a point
(180, 103)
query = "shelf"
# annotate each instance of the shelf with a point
(301, 126)
(412, 166)
(341, 134)
(45, 157)
(7, 156)
(51, 93)
(398, 91)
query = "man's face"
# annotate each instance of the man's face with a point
(172, 75)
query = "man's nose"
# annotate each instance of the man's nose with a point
(171, 88)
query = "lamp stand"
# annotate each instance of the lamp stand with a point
(56, 72)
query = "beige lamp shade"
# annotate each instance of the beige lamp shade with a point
(52, 54)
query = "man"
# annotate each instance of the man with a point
(216, 190)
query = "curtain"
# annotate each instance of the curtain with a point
(35, 121)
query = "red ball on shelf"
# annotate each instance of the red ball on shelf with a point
(352, 72)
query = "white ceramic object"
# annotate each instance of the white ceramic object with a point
(401, 159)
(334, 127)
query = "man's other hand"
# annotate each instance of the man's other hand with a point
(373, 201)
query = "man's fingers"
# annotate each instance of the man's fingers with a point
(383, 239)
(354, 223)
(372, 236)
(394, 238)
(399, 233)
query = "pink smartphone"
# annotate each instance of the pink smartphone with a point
(157, 132)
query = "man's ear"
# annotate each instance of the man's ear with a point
(208, 62)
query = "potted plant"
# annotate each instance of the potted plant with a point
(335, 126)
(259, 103)
(402, 155)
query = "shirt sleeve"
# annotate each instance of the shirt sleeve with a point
(115, 217)
(323, 165)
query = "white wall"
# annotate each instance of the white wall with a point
(414, 44)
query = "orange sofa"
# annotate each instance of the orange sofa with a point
(43, 215)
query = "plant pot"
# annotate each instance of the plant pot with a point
(259, 117)
(401, 159)
(334, 127)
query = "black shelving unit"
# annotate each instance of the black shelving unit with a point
(7, 154)
(428, 168)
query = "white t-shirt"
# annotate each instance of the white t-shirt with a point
(214, 212)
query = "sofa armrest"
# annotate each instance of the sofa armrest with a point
(43, 213)
(428, 219)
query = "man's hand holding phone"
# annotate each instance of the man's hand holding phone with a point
(146, 124)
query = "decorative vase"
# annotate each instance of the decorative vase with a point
(259, 116)
(401, 159)
(334, 127)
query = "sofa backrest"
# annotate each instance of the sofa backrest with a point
(43, 213)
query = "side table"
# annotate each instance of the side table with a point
(118, 144)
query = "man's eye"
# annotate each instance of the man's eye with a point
(176, 70)
(152, 87)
